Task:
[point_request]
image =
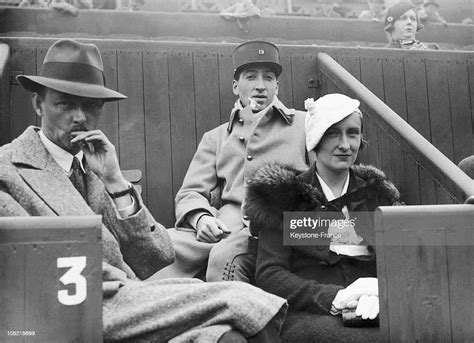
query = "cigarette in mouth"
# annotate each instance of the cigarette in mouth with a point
(253, 104)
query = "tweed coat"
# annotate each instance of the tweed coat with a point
(33, 184)
(230, 154)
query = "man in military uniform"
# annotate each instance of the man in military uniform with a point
(260, 130)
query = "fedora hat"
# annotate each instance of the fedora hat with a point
(256, 53)
(73, 68)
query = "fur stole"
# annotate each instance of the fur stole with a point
(276, 188)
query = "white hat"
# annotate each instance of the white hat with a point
(324, 113)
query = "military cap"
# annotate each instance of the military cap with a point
(256, 53)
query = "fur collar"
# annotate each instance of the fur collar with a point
(276, 188)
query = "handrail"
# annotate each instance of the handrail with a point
(4, 55)
(415, 140)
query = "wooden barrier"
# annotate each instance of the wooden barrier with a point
(50, 279)
(178, 90)
(212, 27)
(425, 273)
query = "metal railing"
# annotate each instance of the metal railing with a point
(439, 165)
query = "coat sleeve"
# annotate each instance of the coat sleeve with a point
(200, 180)
(145, 244)
(273, 274)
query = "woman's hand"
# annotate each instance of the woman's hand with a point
(361, 287)
(366, 307)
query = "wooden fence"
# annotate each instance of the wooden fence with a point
(178, 90)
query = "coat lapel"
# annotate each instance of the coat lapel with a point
(45, 177)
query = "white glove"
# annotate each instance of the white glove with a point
(368, 306)
(360, 287)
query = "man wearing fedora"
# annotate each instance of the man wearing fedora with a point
(260, 129)
(68, 167)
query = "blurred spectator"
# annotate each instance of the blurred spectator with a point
(376, 11)
(129, 5)
(467, 21)
(432, 14)
(326, 10)
(401, 25)
(420, 10)
(82, 4)
(62, 7)
(33, 4)
(242, 11)
(266, 11)
(344, 11)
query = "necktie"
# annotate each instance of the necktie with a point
(77, 177)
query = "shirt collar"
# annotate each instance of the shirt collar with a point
(286, 113)
(327, 191)
(61, 156)
(330, 195)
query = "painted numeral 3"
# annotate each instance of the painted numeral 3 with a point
(73, 276)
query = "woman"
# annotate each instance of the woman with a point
(401, 25)
(320, 281)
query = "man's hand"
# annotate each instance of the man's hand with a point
(101, 158)
(210, 229)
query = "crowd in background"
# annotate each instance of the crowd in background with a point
(428, 10)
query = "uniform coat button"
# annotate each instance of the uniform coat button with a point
(241, 121)
(241, 139)
(249, 157)
(246, 217)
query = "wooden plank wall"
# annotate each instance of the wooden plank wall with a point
(431, 92)
(178, 90)
(423, 278)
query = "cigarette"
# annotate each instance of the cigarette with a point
(253, 104)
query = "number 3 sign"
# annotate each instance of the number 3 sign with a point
(73, 276)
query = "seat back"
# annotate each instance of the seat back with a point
(51, 279)
(134, 176)
(426, 274)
